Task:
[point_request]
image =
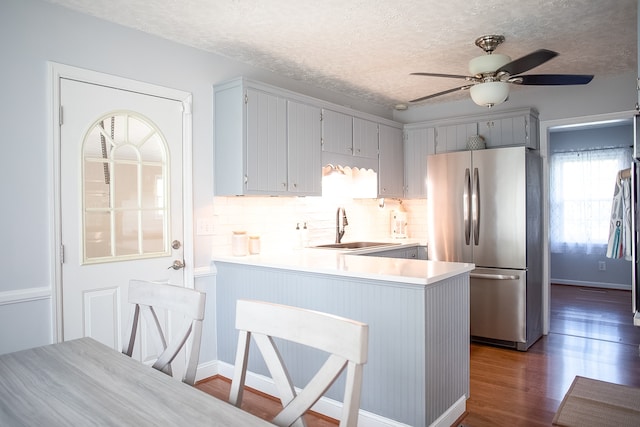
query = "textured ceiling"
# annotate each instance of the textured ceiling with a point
(367, 48)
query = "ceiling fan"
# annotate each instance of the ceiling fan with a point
(492, 73)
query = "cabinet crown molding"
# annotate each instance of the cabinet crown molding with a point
(496, 115)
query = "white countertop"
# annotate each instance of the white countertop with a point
(347, 263)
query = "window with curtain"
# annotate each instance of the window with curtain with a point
(581, 193)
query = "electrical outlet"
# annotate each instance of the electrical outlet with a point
(602, 266)
(204, 226)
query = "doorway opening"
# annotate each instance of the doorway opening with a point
(583, 168)
(590, 269)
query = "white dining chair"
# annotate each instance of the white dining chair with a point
(345, 340)
(147, 298)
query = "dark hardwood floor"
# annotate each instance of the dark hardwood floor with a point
(257, 403)
(591, 334)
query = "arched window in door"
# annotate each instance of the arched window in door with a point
(125, 190)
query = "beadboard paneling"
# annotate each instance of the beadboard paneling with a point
(447, 314)
(403, 372)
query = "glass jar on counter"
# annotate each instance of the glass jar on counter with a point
(254, 245)
(239, 243)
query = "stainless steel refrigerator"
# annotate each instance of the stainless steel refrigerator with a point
(485, 207)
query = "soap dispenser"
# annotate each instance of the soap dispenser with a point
(297, 238)
(305, 236)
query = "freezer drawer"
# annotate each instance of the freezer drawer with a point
(499, 305)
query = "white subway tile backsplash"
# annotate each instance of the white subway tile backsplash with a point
(274, 219)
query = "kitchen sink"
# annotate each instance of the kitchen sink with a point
(354, 245)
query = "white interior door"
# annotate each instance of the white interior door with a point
(121, 203)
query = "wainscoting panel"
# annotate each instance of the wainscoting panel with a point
(25, 319)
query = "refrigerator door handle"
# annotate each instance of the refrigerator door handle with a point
(494, 276)
(466, 200)
(475, 207)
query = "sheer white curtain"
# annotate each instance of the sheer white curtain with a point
(581, 191)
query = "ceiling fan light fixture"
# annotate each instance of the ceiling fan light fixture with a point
(489, 94)
(491, 74)
(487, 64)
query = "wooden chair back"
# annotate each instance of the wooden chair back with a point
(345, 340)
(147, 297)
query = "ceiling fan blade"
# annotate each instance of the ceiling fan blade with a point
(452, 76)
(527, 62)
(553, 79)
(441, 93)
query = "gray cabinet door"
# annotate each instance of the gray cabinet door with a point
(266, 153)
(391, 173)
(304, 148)
(454, 137)
(229, 141)
(509, 131)
(337, 132)
(491, 131)
(418, 144)
(405, 253)
(365, 138)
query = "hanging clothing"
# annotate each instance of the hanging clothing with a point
(619, 245)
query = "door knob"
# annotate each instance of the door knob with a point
(176, 244)
(177, 265)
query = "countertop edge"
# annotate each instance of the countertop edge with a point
(350, 264)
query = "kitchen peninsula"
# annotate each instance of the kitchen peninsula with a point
(418, 314)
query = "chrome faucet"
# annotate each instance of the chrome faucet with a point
(340, 233)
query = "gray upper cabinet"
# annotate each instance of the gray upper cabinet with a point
(418, 144)
(391, 173)
(337, 132)
(520, 129)
(503, 129)
(348, 135)
(304, 153)
(365, 138)
(454, 137)
(273, 142)
(266, 134)
(265, 143)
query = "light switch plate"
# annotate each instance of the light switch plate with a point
(204, 226)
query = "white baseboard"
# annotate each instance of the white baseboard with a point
(325, 406)
(619, 286)
(452, 414)
(207, 370)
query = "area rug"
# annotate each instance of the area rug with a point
(590, 402)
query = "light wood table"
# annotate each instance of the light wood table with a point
(85, 383)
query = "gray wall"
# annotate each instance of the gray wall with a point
(581, 269)
(603, 95)
(33, 32)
